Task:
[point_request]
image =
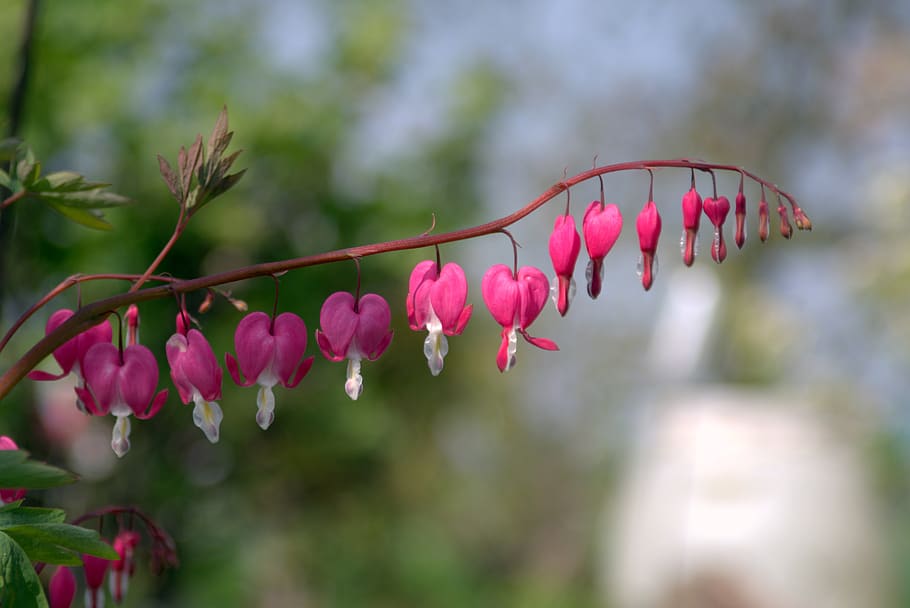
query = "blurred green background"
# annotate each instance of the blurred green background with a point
(359, 121)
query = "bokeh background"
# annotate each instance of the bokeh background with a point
(736, 437)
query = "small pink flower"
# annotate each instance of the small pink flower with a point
(269, 352)
(62, 588)
(354, 330)
(717, 209)
(764, 220)
(648, 227)
(436, 302)
(95, 569)
(123, 569)
(740, 219)
(564, 247)
(70, 354)
(601, 227)
(691, 210)
(515, 303)
(121, 383)
(786, 230)
(132, 325)
(8, 495)
(197, 376)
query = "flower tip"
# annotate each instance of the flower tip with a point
(207, 415)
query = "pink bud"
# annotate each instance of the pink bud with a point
(354, 330)
(62, 588)
(95, 569)
(717, 209)
(763, 220)
(648, 225)
(269, 352)
(740, 219)
(691, 210)
(197, 376)
(124, 568)
(121, 384)
(132, 324)
(436, 302)
(601, 227)
(8, 495)
(786, 230)
(801, 219)
(515, 301)
(564, 247)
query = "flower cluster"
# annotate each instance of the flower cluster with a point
(270, 350)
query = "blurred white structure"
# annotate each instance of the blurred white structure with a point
(739, 500)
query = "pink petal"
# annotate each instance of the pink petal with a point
(62, 588)
(138, 377)
(564, 245)
(448, 296)
(302, 371)
(601, 227)
(373, 331)
(85, 396)
(419, 284)
(41, 376)
(534, 289)
(462, 321)
(255, 345)
(543, 343)
(290, 344)
(500, 293)
(201, 367)
(338, 322)
(231, 364)
(502, 356)
(175, 349)
(155, 406)
(100, 369)
(67, 354)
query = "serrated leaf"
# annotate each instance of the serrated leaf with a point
(173, 184)
(70, 181)
(94, 199)
(220, 138)
(227, 161)
(18, 472)
(226, 183)
(8, 148)
(81, 216)
(41, 541)
(31, 515)
(19, 583)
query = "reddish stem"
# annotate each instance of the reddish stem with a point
(12, 199)
(95, 312)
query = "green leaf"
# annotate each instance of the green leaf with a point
(5, 180)
(68, 181)
(19, 584)
(31, 515)
(50, 542)
(80, 216)
(8, 148)
(93, 199)
(18, 472)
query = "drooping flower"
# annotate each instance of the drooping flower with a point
(764, 220)
(95, 569)
(786, 229)
(717, 209)
(354, 330)
(8, 495)
(70, 354)
(740, 219)
(565, 245)
(515, 302)
(121, 383)
(436, 302)
(62, 588)
(197, 376)
(132, 325)
(123, 569)
(691, 212)
(601, 227)
(269, 352)
(648, 226)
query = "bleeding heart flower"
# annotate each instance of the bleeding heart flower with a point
(62, 588)
(717, 209)
(8, 495)
(436, 302)
(95, 569)
(564, 247)
(269, 352)
(354, 330)
(123, 569)
(197, 376)
(691, 211)
(601, 227)
(70, 354)
(648, 227)
(515, 303)
(121, 383)
(740, 219)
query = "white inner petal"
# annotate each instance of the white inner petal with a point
(120, 439)
(265, 402)
(353, 386)
(207, 415)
